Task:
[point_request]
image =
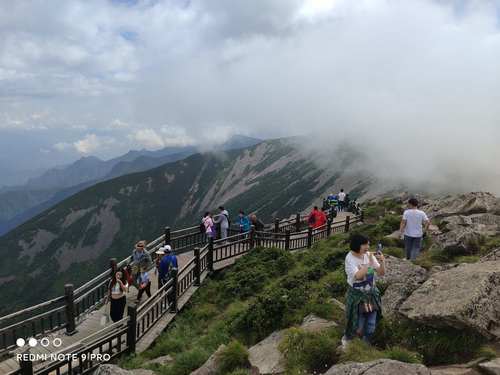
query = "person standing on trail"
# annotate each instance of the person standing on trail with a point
(244, 222)
(140, 258)
(168, 265)
(223, 220)
(316, 218)
(342, 197)
(363, 300)
(117, 288)
(208, 224)
(413, 227)
(144, 284)
(258, 225)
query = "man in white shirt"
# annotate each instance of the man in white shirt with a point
(413, 226)
(342, 196)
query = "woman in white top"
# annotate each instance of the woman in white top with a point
(209, 225)
(117, 289)
(363, 303)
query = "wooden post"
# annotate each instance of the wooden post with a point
(167, 235)
(347, 222)
(70, 309)
(276, 225)
(173, 304)
(26, 366)
(197, 267)
(112, 266)
(297, 223)
(252, 237)
(309, 237)
(329, 227)
(210, 255)
(132, 328)
(287, 239)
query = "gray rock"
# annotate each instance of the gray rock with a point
(491, 367)
(312, 323)
(379, 367)
(492, 255)
(463, 204)
(210, 367)
(163, 360)
(453, 370)
(266, 356)
(401, 279)
(466, 296)
(115, 370)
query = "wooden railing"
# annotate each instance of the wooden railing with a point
(125, 334)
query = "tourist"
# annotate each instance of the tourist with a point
(208, 224)
(258, 224)
(223, 220)
(341, 197)
(317, 218)
(363, 303)
(140, 258)
(144, 284)
(168, 265)
(244, 222)
(117, 289)
(413, 226)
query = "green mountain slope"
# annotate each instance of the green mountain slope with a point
(74, 240)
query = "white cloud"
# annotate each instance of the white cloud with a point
(167, 136)
(62, 146)
(87, 145)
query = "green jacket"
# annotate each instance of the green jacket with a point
(353, 298)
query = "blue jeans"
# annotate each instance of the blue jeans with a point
(413, 245)
(367, 323)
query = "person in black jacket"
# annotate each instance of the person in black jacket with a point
(259, 225)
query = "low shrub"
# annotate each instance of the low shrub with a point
(233, 357)
(360, 351)
(395, 252)
(240, 371)
(401, 354)
(309, 352)
(335, 282)
(186, 362)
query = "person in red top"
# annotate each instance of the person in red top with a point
(317, 218)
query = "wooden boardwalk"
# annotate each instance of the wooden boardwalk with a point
(91, 322)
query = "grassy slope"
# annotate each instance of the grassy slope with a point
(270, 289)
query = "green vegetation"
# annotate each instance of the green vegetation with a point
(233, 357)
(309, 352)
(360, 351)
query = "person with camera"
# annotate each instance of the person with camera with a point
(363, 300)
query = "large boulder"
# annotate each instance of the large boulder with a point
(462, 204)
(266, 355)
(460, 233)
(401, 279)
(115, 370)
(379, 367)
(466, 296)
(453, 370)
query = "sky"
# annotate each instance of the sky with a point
(415, 84)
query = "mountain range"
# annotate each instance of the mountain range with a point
(20, 203)
(73, 240)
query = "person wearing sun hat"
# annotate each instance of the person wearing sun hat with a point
(168, 264)
(140, 258)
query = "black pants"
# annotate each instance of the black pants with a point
(117, 308)
(146, 289)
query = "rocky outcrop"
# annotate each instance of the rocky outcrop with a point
(266, 355)
(401, 279)
(463, 204)
(379, 367)
(463, 297)
(453, 370)
(461, 234)
(492, 255)
(115, 370)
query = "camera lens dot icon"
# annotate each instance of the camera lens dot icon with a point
(32, 342)
(20, 342)
(45, 342)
